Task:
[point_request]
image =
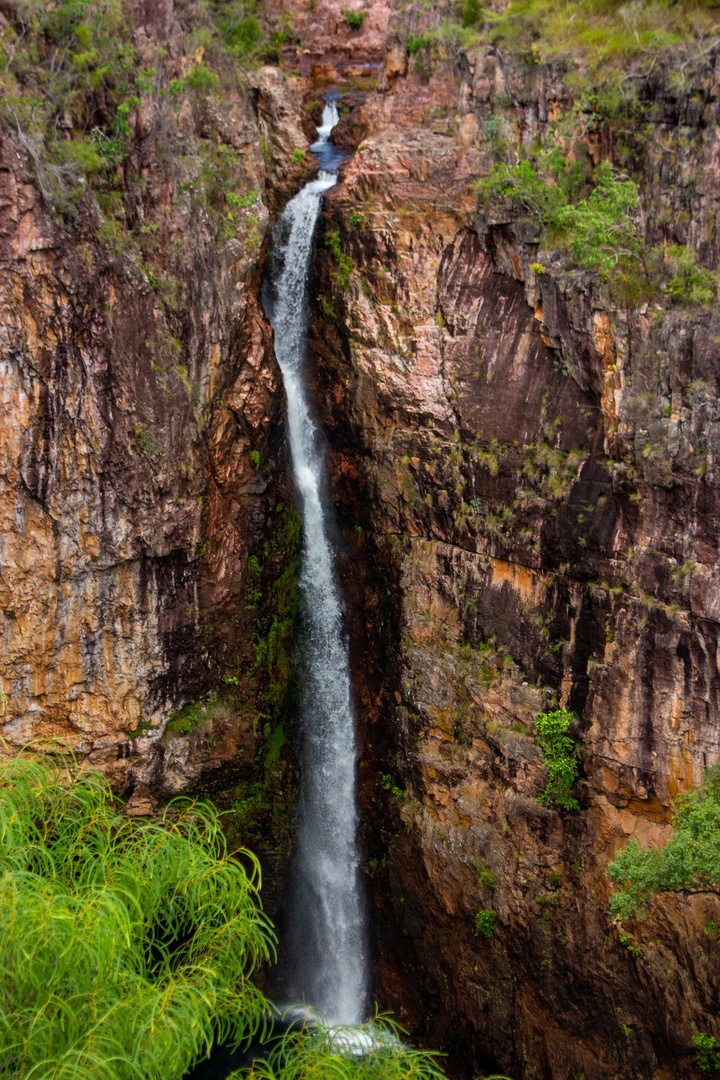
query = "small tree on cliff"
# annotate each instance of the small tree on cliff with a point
(560, 755)
(688, 864)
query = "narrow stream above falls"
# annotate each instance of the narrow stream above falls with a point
(323, 959)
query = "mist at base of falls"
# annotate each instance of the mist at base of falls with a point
(323, 954)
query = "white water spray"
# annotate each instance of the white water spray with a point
(327, 933)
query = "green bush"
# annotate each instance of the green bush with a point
(243, 33)
(485, 923)
(354, 19)
(560, 755)
(318, 1058)
(126, 947)
(344, 263)
(415, 44)
(689, 862)
(708, 1053)
(200, 79)
(486, 878)
(595, 219)
(691, 284)
(470, 12)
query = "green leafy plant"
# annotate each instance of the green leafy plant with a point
(689, 862)
(415, 44)
(486, 878)
(690, 283)
(596, 220)
(470, 12)
(126, 947)
(708, 1053)
(354, 19)
(329, 1054)
(327, 307)
(240, 31)
(389, 784)
(600, 32)
(485, 923)
(344, 263)
(560, 755)
(255, 458)
(244, 202)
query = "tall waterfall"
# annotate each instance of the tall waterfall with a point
(328, 966)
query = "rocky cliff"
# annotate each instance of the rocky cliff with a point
(143, 454)
(522, 457)
(525, 460)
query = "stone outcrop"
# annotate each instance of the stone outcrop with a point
(525, 471)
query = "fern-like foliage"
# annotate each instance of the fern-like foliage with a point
(126, 947)
(370, 1052)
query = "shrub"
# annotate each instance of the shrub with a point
(415, 44)
(344, 263)
(597, 222)
(200, 78)
(334, 1054)
(126, 947)
(689, 862)
(243, 34)
(470, 12)
(354, 19)
(708, 1052)
(486, 878)
(485, 923)
(691, 284)
(66, 58)
(560, 756)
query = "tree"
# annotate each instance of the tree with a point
(690, 861)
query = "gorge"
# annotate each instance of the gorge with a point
(513, 393)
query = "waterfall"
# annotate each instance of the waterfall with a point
(327, 961)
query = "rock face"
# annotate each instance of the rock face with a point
(141, 432)
(526, 475)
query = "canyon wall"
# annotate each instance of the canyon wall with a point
(525, 470)
(143, 447)
(524, 473)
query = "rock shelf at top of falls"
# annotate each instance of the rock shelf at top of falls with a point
(326, 962)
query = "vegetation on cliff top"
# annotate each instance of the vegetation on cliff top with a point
(72, 81)
(128, 947)
(599, 31)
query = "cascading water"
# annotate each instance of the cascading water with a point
(327, 965)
